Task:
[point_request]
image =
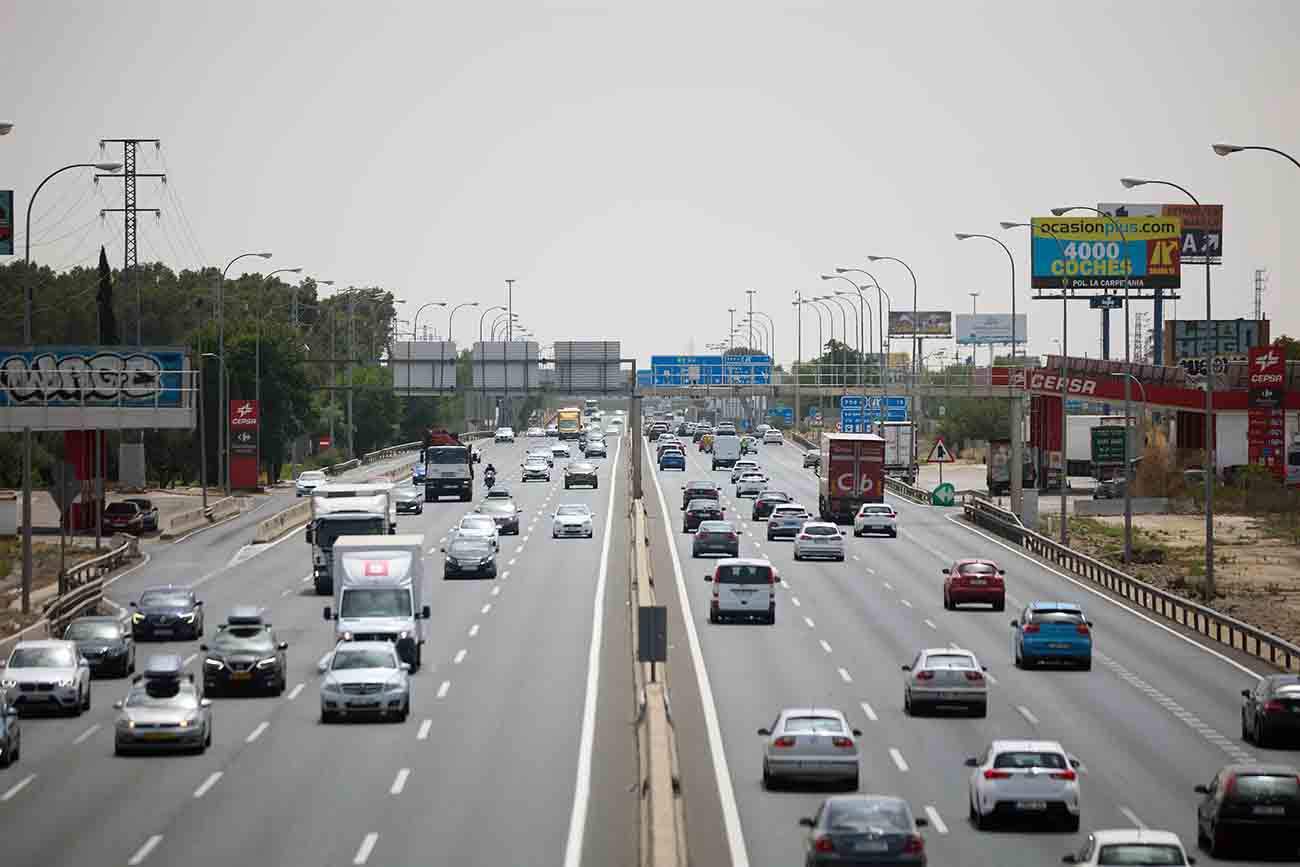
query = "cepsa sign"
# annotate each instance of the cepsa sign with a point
(243, 414)
(1106, 253)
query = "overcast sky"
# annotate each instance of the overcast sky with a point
(636, 167)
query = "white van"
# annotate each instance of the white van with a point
(726, 450)
(743, 587)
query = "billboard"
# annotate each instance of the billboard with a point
(95, 388)
(1202, 237)
(924, 323)
(6, 222)
(980, 328)
(1104, 253)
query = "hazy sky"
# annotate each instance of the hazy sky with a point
(637, 166)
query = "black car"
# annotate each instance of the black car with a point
(106, 644)
(580, 473)
(1271, 711)
(11, 740)
(764, 502)
(124, 517)
(244, 655)
(698, 511)
(716, 537)
(1250, 806)
(167, 612)
(703, 490)
(812, 458)
(864, 829)
(505, 513)
(469, 558)
(148, 512)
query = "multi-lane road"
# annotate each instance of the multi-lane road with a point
(1156, 715)
(510, 755)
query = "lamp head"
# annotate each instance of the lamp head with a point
(839, 270)
(1224, 149)
(108, 167)
(874, 258)
(1057, 212)
(293, 270)
(827, 276)
(1130, 183)
(961, 236)
(1008, 224)
(263, 255)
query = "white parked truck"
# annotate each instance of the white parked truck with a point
(343, 509)
(379, 592)
(899, 454)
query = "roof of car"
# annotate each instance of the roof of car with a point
(1261, 770)
(97, 618)
(812, 711)
(948, 651)
(745, 561)
(715, 524)
(1106, 836)
(164, 587)
(702, 503)
(366, 645)
(788, 507)
(164, 666)
(1012, 746)
(46, 642)
(833, 526)
(971, 560)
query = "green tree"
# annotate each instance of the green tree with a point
(376, 409)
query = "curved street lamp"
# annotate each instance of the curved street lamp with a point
(962, 236)
(1224, 150)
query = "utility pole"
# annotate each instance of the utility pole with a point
(129, 210)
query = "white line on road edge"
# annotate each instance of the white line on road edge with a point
(722, 776)
(423, 733)
(187, 660)
(1027, 714)
(930, 623)
(293, 693)
(826, 647)
(871, 714)
(505, 575)
(17, 787)
(257, 732)
(400, 782)
(486, 608)
(81, 738)
(794, 600)
(810, 623)
(496, 591)
(844, 676)
(905, 602)
(587, 739)
(207, 784)
(1133, 817)
(285, 592)
(899, 762)
(143, 852)
(443, 687)
(887, 585)
(367, 846)
(459, 657)
(473, 630)
(936, 821)
(990, 678)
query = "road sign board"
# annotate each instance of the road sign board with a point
(1108, 445)
(939, 454)
(684, 370)
(945, 494)
(1106, 302)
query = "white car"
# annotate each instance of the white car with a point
(572, 520)
(307, 481)
(535, 468)
(535, 433)
(478, 527)
(772, 436)
(1038, 780)
(505, 435)
(560, 450)
(810, 744)
(46, 674)
(365, 678)
(612, 430)
(751, 485)
(1130, 846)
(742, 466)
(745, 588)
(819, 539)
(945, 677)
(875, 518)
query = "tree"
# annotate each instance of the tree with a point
(1289, 346)
(970, 418)
(376, 409)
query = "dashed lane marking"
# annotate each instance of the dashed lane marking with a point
(294, 693)
(869, 711)
(443, 687)
(496, 591)
(810, 623)
(257, 732)
(844, 676)
(367, 846)
(794, 600)
(1027, 714)
(1133, 817)
(486, 608)
(899, 761)
(930, 623)
(936, 821)
(208, 784)
(826, 647)
(473, 630)
(905, 602)
(887, 585)
(399, 782)
(17, 787)
(143, 852)
(459, 657)
(423, 733)
(84, 736)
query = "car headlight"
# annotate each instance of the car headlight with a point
(395, 686)
(347, 636)
(402, 634)
(137, 617)
(8, 684)
(188, 618)
(126, 723)
(264, 664)
(66, 682)
(215, 664)
(189, 721)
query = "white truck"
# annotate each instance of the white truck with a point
(379, 592)
(899, 454)
(344, 509)
(726, 450)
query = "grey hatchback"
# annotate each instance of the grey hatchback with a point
(864, 829)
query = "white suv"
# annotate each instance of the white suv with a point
(1024, 779)
(505, 435)
(772, 436)
(819, 539)
(742, 466)
(745, 588)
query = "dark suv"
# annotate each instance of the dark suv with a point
(699, 491)
(698, 511)
(244, 655)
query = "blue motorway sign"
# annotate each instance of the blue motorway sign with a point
(644, 378)
(784, 413)
(859, 412)
(670, 370)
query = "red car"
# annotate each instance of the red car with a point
(974, 581)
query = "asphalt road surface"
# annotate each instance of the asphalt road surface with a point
(510, 755)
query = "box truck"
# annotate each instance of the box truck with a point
(379, 592)
(345, 510)
(998, 477)
(898, 436)
(852, 472)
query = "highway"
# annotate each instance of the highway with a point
(504, 728)
(1157, 714)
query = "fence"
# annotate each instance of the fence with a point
(1194, 616)
(906, 491)
(390, 452)
(84, 585)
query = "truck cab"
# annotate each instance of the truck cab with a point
(448, 469)
(357, 510)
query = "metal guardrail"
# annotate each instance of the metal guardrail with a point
(391, 451)
(1192, 615)
(84, 585)
(906, 491)
(335, 469)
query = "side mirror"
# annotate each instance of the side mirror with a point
(1015, 624)
(1191, 859)
(708, 578)
(765, 732)
(806, 822)
(1088, 622)
(205, 702)
(198, 602)
(944, 570)
(906, 667)
(283, 645)
(1069, 858)
(203, 647)
(133, 605)
(1201, 790)
(426, 613)
(117, 705)
(310, 536)
(1075, 763)
(972, 762)
(1002, 571)
(857, 733)
(921, 822)
(1245, 693)
(328, 614)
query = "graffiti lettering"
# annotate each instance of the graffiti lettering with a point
(103, 377)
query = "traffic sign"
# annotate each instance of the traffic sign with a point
(1106, 302)
(939, 454)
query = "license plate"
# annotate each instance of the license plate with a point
(241, 675)
(362, 704)
(977, 582)
(1268, 811)
(158, 736)
(871, 846)
(1031, 805)
(1058, 646)
(162, 631)
(950, 696)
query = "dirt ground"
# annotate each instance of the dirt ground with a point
(1256, 566)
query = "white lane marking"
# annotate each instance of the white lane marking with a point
(826, 647)
(486, 608)
(870, 571)
(794, 600)
(17, 787)
(473, 630)
(936, 821)
(905, 602)
(518, 550)
(207, 784)
(990, 678)
(844, 676)
(887, 585)
(1027, 714)
(459, 657)
(81, 738)
(399, 782)
(423, 733)
(526, 537)
(286, 592)
(187, 660)
(1135, 612)
(899, 761)
(512, 561)
(295, 692)
(869, 711)
(143, 852)
(367, 846)
(586, 742)
(855, 557)
(306, 578)
(1133, 817)
(505, 575)
(810, 623)
(722, 776)
(784, 586)
(758, 544)
(257, 732)
(930, 623)
(496, 591)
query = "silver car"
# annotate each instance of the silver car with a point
(945, 677)
(307, 481)
(810, 744)
(572, 519)
(47, 675)
(742, 466)
(163, 711)
(787, 519)
(819, 539)
(409, 499)
(481, 527)
(535, 468)
(751, 485)
(365, 678)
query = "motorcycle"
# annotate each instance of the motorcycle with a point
(489, 479)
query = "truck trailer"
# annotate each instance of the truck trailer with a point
(379, 592)
(342, 509)
(852, 472)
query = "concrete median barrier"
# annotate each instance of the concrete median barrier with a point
(277, 525)
(192, 519)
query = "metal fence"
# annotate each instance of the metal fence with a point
(83, 587)
(906, 491)
(1192, 615)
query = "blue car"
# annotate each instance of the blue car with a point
(672, 460)
(1052, 632)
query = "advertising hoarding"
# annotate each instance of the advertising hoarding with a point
(1098, 253)
(1198, 339)
(925, 323)
(1202, 237)
(982, 328)
(244, 427)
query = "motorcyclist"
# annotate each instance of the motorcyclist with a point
(490, 476)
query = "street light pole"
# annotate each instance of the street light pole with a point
(750, 293)
(415, 330)
(1224, 150)
(732, 325)
(442, 356)
(222, 390)
(916, 341)
(798, 354)
(482, 361)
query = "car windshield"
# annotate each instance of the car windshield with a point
(752, 477)
(536, 465)
(707, 527)
(582, 468)
(163, 693)
(1030, 759)
(254, 639)
(499, 507)
(877, 510)
(1071, 618)
(806, 725)
(328, 530)
(312, 476)
(41, 657)
(977, 569)
(1140, 853)
(821, 531)
(779, 513)
(477, 523)
(949, 660)
(1259, 788)
(774, 497)
(166, 598)
(861, 816)
(90, 630)
(744, 573)
(348, 659)
(447, 455)
(376, 602)
(469, 549)
(573, 510)
(121, 509)
(702, 505)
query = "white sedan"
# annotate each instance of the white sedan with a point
(742, 466)
(1036, 780)
(572, 520)
(1129, 846)
(819, 539)
(772, 436)
(751, 485)
(478, 527)
(945, 677)
(535, 433)
(875, 518)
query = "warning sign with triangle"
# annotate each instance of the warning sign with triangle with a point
(939, 454)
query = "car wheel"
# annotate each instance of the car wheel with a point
(7, 759)
(85, 701)
(982, 822)
(1218, 844)
(117, 747)
(853, 782)
(1000, 605)
(769, 782)
(796, 556)
(596, 485)
(1086, 665)
(947, 603)
(714, 617)
(326, 717)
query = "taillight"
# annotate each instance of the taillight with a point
(992, 774)
(925, 675)
(915, 845)
(783, 741)
(1064, 775)
(1083, 629)
(843, 743)
(823, 844)
(1272, 707)
(974, 675)
(1031, 627)
(1230, 786)
(732, 536)
(771, 577)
